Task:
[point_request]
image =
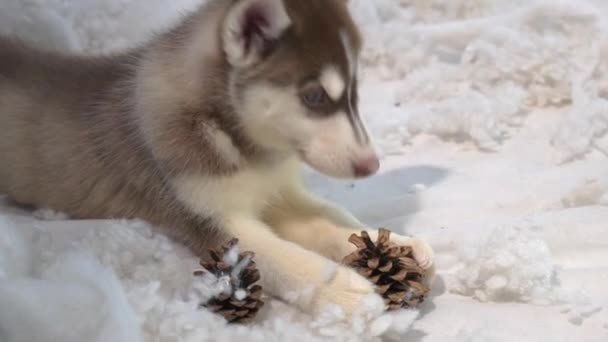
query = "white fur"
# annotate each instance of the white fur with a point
(332, 82)
(353, 68)
(245, 193)
(334, 148)
(265, 206)
(351, 54)
(234, 44)
(276, 259)
(275, 118)
(223, 143)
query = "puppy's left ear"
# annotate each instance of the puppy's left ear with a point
(251, 30)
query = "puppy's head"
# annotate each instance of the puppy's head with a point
(293, 81)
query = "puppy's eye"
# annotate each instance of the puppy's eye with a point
(315, 97)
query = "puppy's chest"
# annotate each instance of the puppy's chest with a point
(246, 192)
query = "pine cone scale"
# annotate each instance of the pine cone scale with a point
(400, 275)
(386, 267)
(357, 241)
(373, 263)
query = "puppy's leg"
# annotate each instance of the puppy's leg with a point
(297, 275)
(318, 225)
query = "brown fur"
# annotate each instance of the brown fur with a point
(102, 137)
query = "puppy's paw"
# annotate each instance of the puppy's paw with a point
(348, 290)
(423, 253)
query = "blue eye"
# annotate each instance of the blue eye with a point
(315, 97)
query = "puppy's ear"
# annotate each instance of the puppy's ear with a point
(251, 30)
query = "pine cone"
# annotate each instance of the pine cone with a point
(241, 300)
(392, 268)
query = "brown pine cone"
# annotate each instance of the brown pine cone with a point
(392, 268)
(242, 301)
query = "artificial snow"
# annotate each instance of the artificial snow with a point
(512, 264)
(492, 119)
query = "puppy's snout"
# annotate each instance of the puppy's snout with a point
(366, 166)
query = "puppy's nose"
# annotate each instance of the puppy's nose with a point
(366, 166)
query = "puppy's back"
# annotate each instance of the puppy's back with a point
(47, 101)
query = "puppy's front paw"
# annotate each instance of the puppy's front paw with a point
(422, 251)
(347, 289)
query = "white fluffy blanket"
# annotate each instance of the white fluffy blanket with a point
(493, 118)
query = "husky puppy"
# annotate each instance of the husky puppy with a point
(202, 131)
